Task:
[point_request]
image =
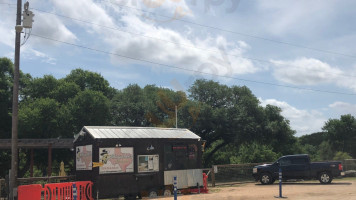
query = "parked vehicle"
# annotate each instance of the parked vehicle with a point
(297, 167)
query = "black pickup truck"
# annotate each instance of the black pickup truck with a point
(297, 167)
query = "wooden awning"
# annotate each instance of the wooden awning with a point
(38, 143)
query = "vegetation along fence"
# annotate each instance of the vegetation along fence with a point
(232, 173)
(349, 164)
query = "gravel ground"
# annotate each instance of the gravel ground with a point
(307, 190)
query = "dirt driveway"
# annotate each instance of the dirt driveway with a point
(338, 189)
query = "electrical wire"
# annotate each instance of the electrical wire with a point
(234, 32)
(191, 70)
(182, 44)
(226, 30)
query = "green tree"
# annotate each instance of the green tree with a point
(277, 132)
(341, 134)
(89, 108)
(233, 116)
(325, 151)
(341, 156)
(39, 119)
(254, 153)
(6, 88)
(87, 80)
(128, 107)
(6, 83)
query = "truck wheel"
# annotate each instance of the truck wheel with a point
(325, 178)
(266, 178)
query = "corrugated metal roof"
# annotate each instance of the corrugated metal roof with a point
(138, 132)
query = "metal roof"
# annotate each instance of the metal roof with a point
(102, 132)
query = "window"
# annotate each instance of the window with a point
(285, 161)
(180, 156)
(148, 163)
(299, 161)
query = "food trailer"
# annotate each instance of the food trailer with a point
(137, 161)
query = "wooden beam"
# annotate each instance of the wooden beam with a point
(31, 164)
(38, 143)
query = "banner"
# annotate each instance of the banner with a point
(84, 157)
(116, 160)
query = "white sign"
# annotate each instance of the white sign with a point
(116, 160)
(84, 155)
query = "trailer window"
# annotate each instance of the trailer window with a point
(148, 163)
(180, 156)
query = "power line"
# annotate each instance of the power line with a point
(220, 29)
(180, 44)
(190, 70)
(238, 33)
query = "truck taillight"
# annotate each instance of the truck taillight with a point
(340, 167)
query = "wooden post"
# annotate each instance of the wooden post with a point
(212, 176)
(49, 171)
(0, 187)
(31, 164)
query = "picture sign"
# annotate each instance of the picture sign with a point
(84, 156)
(116, 160)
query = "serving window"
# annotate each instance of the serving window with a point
(180, 156)
(148, 163)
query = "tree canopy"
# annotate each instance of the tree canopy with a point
(230, 119)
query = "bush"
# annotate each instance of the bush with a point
(341, 156)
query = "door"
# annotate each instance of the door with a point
(300, 167)
(287, 168)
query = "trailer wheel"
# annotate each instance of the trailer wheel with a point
(153, 193)
(167, 192)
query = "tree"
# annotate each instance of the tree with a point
(87, 80)
(6, 83)
(233, 116)
(341, 133)
(39, 119)
(254, 153)
(277, 131)
(89, 108)
(128, 107)
(6, 87)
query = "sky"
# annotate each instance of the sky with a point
(297, 55)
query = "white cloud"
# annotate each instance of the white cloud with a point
(85, 10)
(213, 54)
(343, 108)
(305, 71)
(155, 43)
(31, 54)
(7, 26)
(303, 121)
(52, 27)
(310, 71)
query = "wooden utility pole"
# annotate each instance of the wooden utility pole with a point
(15, 107)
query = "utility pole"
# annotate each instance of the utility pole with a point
(15, 107)
(176, 117)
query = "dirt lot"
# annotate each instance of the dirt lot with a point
(338, 189)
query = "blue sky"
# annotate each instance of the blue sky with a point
(298, 55)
